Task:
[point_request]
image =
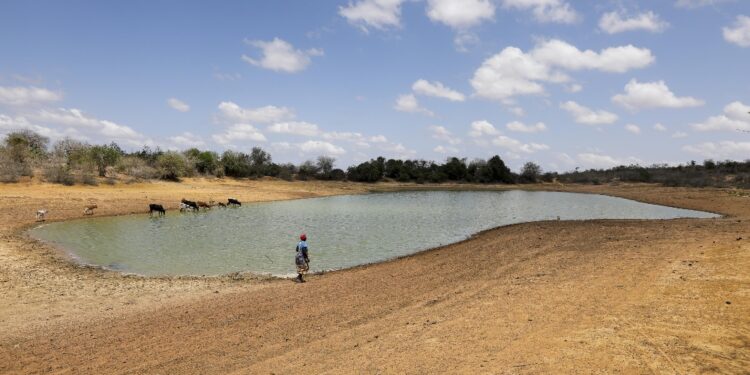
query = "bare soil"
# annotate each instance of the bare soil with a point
(603, 296)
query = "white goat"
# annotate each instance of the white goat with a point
(40, 214)
(89, 209)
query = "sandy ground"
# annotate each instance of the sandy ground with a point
(607, 296)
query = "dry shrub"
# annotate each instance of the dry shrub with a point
(137, 168)
(88, 178)
(58, 173)
(10, 170)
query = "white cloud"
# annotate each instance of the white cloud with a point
(679, 135)
(739, 33)
(187, 139)
(513, 72)
(697, 3)
(70, 117)
(19, 96)
(265, 114)
(633, 128)
(465, 39)
(380, 14)
(517, 126)
(280, 56)
(481, 128)
(178, 105)
(443, 134)
(345, 136)
(398, 150)
(735, 117)
(239, 132)
(445, 150)
(613, 59)
(436, 89)
(565, 159)
(652, 95)
(584, 115)
(574, 88)
(516, 110)
(409, 103)
(321, 147)
(721, 150)
(11, 124)
(556, 11)
(593, 160)
(296, 128)
(378, 139)
(460, 14)
(517, 146)
(615, 22)
(108, 130)
(660, 127)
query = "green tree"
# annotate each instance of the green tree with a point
(325, 166)
(236, 164)
(455, 169)
(531, 172)
(260, 161)
(207, 162)
(105, 156)
(495, 171)
(172, 166)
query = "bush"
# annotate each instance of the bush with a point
(105, 156)
(22, 150)
(136, 167)
(236, 164)
(58, 173)
(10, 170)
(530, 172)
(307, 170)
(172, 166)
(88, 178)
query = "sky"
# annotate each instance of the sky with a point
(566, 84)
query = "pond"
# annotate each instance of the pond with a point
(343, 231)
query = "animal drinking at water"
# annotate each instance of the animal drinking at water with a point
(89, 210)
(156, 208)
(233, 202)
(190, 204)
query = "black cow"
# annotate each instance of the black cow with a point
(156, 208)
(192, 204)
(232, 201)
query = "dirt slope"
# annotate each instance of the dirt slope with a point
(552, 297)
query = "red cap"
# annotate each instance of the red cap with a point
(303, 237)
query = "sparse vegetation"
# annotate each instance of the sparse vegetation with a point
(69, 161)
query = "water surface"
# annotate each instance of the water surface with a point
(343, 231)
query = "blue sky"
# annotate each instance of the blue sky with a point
(563, 83)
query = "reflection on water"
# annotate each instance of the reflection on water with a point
(342, 231)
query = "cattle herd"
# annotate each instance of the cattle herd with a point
(185, 205)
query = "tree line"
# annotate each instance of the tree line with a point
(68, 161)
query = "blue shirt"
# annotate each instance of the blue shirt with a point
(302, 247)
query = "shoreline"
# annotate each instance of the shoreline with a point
(50, 297)
(69, 255)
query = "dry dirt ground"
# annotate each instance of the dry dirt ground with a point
(605, 296)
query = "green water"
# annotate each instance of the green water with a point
(343, 231)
